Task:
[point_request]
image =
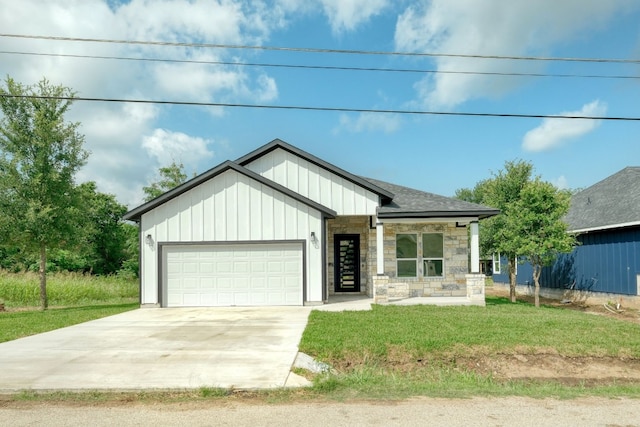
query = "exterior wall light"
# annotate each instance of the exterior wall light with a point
(149, 240)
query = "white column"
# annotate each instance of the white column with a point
(379, 247)
(475, 247)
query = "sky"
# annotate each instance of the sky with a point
(201, 51)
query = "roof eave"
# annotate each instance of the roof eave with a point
(605, 227)
(439, 214)
(136, 214)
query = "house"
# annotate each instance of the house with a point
(280, 226)
(606, 220)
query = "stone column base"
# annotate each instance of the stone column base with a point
(380, 289)
(475, 289)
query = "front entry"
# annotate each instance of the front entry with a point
(346, 249)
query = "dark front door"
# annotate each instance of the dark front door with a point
(346, 248)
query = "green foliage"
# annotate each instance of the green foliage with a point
(40, 153)
(534, 227)
(39, 156)
(106, 235)
(170, 177)
(530, 225)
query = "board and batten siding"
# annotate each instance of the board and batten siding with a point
(230, 207)
(316, 183)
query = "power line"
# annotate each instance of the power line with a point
(321, 50)
(329, 109)
(323, 67)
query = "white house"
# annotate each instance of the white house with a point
(280, 226)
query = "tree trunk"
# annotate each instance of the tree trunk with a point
(536, 281)
(44, 303)
(512, 280)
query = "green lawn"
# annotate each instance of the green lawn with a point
(73, 298)
(18, 324)
(413, 350)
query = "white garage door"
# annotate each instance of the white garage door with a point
(227, 275)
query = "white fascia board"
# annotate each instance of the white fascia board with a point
(605, 227)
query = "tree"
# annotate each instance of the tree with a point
(535, 229)
(170, 177)
(106, 237)
(40, 154)
(500, 192)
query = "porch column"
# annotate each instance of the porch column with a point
(475, 247)
(379, 248)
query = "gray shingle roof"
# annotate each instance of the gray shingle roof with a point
(412, 203)
(610, 203)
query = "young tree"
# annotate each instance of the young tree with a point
(40, 154)
(170, 177)
(500, 192)
(535, 228)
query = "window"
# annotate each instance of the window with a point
(432, 254)
(407, 255)
(496, 263)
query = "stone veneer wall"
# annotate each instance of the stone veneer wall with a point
(350, 225)
(456, 261)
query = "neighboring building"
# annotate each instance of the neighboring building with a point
(280, 226)
(606, 219)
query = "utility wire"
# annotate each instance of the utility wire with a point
(322, 67)
(320, 50)
(315, 108)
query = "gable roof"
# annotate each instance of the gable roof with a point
(613, 202)
(411, 203)
(136, 213)
(384, 194)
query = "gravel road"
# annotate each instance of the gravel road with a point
(414, 412)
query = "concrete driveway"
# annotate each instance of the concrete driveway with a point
(180, 348)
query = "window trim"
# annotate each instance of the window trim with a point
(496, 260)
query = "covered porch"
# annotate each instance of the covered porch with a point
(404, 260)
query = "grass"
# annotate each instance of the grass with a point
(398, 352)
(390, 352)
(66, 289)
(18, 324)
(73, 298)
(422, 331)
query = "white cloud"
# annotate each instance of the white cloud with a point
(561, 182)
(370, 122)
(492, 27)
(167, 146)
(346, 15)
(554, 132)
(114, 133)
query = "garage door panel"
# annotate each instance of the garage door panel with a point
(227, 275)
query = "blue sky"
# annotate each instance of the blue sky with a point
(439, 154)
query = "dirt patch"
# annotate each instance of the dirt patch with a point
(564, 370)
(629, 314)
(543, 365)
